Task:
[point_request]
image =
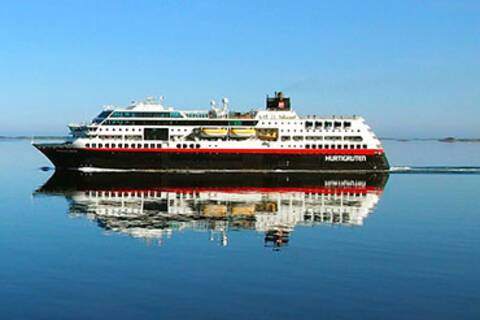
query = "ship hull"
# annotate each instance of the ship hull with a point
(68, 157)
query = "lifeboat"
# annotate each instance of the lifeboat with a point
(214, 132)
(267, 134)
(214, 211)
(242, 132)
(243, 210)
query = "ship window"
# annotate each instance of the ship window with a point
(308, 124)
(333, 138)
(347, 124)
(113, 145)
(319, 124)
(152, 145)
(353, 138)
(192, 145)
(87, 145)
(307, 146)
(198, 145)
(337, 124)
(320, 146)
(139, 146)
(94, 145)
(328, 125)
(107, 145)
(100, 145)
(314, 146)
(156, 134)
(179, 145)
(285, 138)
(159, 146)
(358, 146)
(365, 146)
(184, 146)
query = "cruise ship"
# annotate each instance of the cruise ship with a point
(148, 136)
(154, 207)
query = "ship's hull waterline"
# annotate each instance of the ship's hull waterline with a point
(67, 157)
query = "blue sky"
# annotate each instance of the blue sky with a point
(412, 68)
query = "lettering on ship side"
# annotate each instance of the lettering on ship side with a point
(345, 158)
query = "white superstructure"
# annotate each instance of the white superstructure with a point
(150, 125)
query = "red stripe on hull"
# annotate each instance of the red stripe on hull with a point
(246, 151)
(320, 190)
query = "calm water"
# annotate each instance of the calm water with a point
(341, 247)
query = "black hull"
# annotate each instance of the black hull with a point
(65, 157)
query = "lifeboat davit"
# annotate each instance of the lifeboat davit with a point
(242, 132)
(214, 132)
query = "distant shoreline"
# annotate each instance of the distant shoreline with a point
(445, 140)
(36, 138)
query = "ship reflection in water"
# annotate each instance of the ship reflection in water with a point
(154, 206)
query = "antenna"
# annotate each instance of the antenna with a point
(225, 104)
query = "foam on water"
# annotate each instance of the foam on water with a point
(432, 170)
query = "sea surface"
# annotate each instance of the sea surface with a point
(101, 246)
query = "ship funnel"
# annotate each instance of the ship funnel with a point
(278, 103)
